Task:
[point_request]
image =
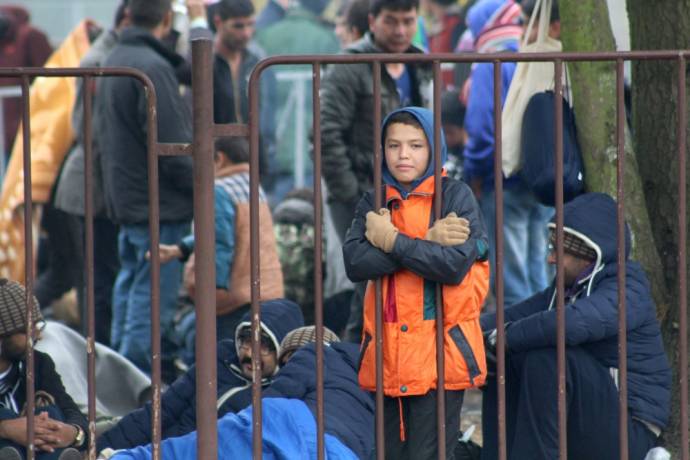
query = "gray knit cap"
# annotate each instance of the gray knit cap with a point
(302, 336)
(13, 308)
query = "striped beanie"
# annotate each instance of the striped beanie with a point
(302, 336)
(13, 308)
(573, 245)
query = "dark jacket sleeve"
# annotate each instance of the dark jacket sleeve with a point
(362, 260)
(338, 108)
(134, 429)
(588, 319)
(296, 378)
(49, 380)
(446, 264)
(174, 126)
(538, 302)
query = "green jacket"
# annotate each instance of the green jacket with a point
(300, 32)
(347, 116)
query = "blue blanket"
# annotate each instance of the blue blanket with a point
(289, 432)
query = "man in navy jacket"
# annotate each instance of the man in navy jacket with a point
(591, 336)
(178, 403)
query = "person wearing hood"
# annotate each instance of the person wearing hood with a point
(289, 409)
(412, 254)
(234, 380)
(495, 26)
(591, 336)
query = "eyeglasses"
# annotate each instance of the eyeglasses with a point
(246, 345)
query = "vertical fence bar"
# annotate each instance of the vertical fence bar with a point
(29, 266)
(154, 228)
(560, 280)
(89, 263)
(682, 257)
(378, 198)
(254, 243)
(204, 248)
(440, 367)
(498, 277)
(622, 328)
(318, 258)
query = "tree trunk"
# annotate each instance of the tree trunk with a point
(586, 27)
(655, 115)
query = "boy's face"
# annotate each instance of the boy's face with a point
(406, 151)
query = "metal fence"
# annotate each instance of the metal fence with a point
(205, 130)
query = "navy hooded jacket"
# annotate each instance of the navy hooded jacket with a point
(591, 320)
(348, 410)
(178, 403)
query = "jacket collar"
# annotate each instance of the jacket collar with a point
(425, 188)
(139, 36)
(229, 170)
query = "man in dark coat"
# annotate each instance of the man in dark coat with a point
(289, 411)
(59, 427)
(178, 404)
(121, 122)
(591, 337)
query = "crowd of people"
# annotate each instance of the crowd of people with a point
(397, 241)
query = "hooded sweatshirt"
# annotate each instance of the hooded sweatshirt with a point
(410, 273)
(178, 403)
(591, 315)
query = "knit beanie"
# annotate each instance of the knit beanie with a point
(13, 308)
(302, 336)
(574, 245)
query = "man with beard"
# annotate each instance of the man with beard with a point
(58, 424)
(235, 58)
(234, 385)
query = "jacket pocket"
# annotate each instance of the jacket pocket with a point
(463, 346)
(363, 350)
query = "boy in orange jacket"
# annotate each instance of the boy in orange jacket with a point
(401, 244)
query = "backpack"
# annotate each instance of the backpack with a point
(538, 155)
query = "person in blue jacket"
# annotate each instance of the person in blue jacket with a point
(234, 380)
(289, 413)
(591, 337)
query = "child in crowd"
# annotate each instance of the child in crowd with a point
(397, 244)
(231, 196)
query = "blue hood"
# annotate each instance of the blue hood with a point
(426, 119)
(480, 13)
(593, 215)
(278, 317)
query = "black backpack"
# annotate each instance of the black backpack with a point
(538, 155)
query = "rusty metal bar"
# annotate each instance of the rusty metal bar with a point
(378, 317)
(172, 150)
(154, 228)
(254, 243)
(498, 277)
(560, 279)
(438, 202)
(682, 256)
(318, 288)
(622, 327)
(89, 263)
(29, 266)
(231, 130)
(470, 57)
(204, 248)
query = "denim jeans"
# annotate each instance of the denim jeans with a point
(131, 328)
(525, 239)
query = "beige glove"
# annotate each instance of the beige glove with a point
(449, 231)
(381, 232)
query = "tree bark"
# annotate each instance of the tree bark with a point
(662, 24)
(586, 27)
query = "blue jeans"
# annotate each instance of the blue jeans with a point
(131, 327)
(525, 239)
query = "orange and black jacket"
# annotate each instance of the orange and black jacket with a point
(409, 276)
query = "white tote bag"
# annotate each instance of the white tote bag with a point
(529, 79)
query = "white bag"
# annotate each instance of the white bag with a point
(529, 79)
